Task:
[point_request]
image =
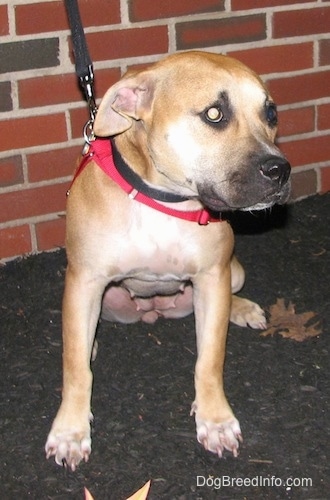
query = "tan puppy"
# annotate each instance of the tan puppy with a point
(198, 130)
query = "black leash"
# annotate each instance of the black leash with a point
(83, 63)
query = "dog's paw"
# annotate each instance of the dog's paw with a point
(218, 437)
(244, 312)
(68, 447)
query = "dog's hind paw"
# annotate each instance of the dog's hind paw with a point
(244, 312)
(68, 448)
(218, 437)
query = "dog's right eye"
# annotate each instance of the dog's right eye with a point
(218, 113)
(214, 114)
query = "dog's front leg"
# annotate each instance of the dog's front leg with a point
(217, 428)
(69, 439)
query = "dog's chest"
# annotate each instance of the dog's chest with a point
(150, 267)
(155, 258)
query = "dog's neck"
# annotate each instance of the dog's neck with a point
(135, 151)
(138, 183)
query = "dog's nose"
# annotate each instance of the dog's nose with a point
(277, 169)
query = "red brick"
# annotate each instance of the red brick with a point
(4, 24)
(11, 171)
(119, 44)
(300, 88)
(325, 179)
(324, 52)
(15, 241)
(323, 116)
(52, 164)
(40, 17)
(142, 10)
(32, 131)
(46, 90)
(51, 16)
(214, 32)
(296, 121)
(279, 58)
(78, 118)
(301, 22)
(99, 12)
(259, 4)
(307, 151)
(32, 202)
(50, 234)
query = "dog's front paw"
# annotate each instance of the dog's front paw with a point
(68, 446)
(217, 437)
(244, 312)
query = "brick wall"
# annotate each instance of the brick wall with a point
(42, 110)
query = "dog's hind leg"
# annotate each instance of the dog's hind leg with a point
(244, 312)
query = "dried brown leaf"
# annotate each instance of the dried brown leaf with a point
(88, 495)
(139, 495)
(142, 493)
(284, 321)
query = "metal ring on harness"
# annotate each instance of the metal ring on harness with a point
(88, 131)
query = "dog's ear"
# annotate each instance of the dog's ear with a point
(123, 103)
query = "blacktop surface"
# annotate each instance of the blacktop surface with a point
(143, 382)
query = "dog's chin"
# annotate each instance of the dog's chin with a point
(216, 205)
(219, 205)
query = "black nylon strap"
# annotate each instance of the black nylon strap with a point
(81, 54)
(132, 178)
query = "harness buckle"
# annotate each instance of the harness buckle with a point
(133, 194)
(204, 218)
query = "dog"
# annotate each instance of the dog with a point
(178, 144)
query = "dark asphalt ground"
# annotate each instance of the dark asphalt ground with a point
(143, 387)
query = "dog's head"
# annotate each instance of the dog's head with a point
(208, 125)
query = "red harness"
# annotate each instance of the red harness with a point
(100, 152)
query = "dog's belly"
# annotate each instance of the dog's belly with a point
(152, 280)
(133, 300)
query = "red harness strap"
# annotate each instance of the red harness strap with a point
(101, 153)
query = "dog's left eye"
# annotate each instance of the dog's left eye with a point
(214, 114)
(271, 114)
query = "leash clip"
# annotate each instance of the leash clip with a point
(87, 83)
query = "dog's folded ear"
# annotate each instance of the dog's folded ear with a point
(123, 103)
